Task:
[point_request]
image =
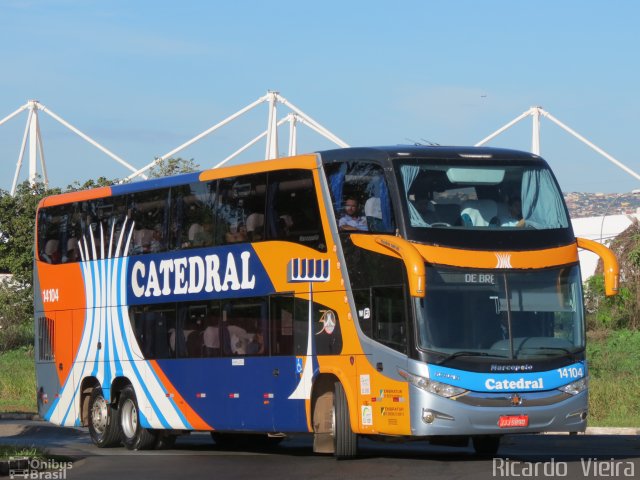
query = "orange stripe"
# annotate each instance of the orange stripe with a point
(300, 161)
(71, 197)
(479, 259)
(197, 423)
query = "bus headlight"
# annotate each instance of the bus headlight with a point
(431, 386)
(576, 387)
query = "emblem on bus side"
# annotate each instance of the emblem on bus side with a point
(504, 260)
(328, 319)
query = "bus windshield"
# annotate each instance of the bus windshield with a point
(481, 195)
(509, 314)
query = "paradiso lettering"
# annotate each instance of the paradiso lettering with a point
(208, 274)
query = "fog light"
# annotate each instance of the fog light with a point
(428, 416)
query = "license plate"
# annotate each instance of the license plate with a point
(513, 421)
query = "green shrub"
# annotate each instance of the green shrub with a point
(614, 369)
(16, 317)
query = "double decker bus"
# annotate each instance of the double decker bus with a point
(398, 292)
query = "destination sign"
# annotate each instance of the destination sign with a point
(472, 278)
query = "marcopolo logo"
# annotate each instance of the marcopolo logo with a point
(217, 273)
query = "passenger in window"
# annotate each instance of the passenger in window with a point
(73, 251)
(156, 239)
(200, 235)
(195, 230)
(351, 220)
(211, 337)
(52, 251)
(238, 339)
(514, 218)
(237, 233)
(256, 345)
(255, 227)
(193, 337)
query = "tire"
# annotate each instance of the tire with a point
(164, 442)
(345, 441)
(104, 421)
(486, 445)
(133, 435)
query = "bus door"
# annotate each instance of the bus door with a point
(248, 383)
(287, 338)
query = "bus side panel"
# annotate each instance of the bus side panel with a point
(244, 393)
(383, 403)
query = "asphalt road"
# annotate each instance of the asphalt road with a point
(196, 456)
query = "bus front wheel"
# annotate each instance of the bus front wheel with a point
(104, 424)
(344, 440)
(134, 436)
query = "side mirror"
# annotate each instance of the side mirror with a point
(611, 268)
(413, 261)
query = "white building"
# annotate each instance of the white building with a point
(600, 229)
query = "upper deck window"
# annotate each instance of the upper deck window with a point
(360, 197)
(481, 196)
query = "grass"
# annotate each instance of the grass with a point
(614, 367)
(7, 451)
(18, 381)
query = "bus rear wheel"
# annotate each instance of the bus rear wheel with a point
(134, 436)
(104, 421)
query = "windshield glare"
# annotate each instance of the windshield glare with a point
(517, 315)
(482, 196)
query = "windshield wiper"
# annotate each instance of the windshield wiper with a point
(465, 353)
(539, 349)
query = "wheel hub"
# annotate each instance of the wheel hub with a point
(129, 415)
(99, 415)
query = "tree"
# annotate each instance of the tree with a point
(173, 166)
(17, 228)
(623, 310)
(99, 182)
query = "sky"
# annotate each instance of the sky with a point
(143, 77)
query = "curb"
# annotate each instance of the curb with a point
(20, 416)
(612, 431)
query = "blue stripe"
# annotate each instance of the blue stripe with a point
(95, 278)
(154, 183)
(52, 408)
(508, 382)
(119, 370)
(119, 269)
(173, 403)
(107, 352)
(147, 394)
(84, 360)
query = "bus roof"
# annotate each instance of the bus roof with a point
(392, 152)
(307, 161)
(382, 153)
